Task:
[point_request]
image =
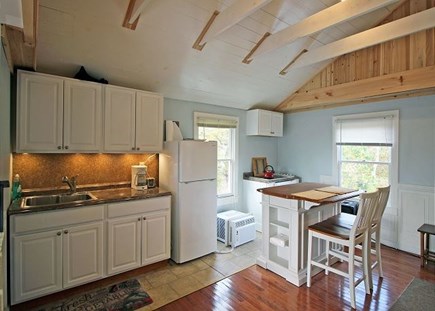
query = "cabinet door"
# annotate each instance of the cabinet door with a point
(82, 116)
(264, 123)
(82, 254)
(276, 124)
(149, 122)
(39, 112)
(119, 119)
(253, 200)
(155, 238)
(124, 244)
(36, 265)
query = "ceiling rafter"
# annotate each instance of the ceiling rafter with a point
(221, 21)
(30, 10)
(326, 18)
(399, 28)
(134, 10)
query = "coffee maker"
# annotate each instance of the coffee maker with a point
(139, 176)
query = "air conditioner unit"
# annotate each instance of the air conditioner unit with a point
(242, 230)
(232, 232)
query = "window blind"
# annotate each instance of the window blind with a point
(216, 122)
(368, 132)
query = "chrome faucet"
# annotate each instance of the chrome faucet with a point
(72, 183)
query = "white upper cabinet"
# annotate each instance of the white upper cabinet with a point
(39, 112)
(55, 114)
(264, 123)
(82, 116)
(133, 120)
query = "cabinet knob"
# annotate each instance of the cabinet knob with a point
(59, 147)
(144, 218)
(66, 147)
(137, 148)
(66, 232)
(138, 219)
(132, 148)
(272, 132)
(59, 233)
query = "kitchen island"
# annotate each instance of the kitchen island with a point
(287, 212)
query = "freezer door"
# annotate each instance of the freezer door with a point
(197, 220)
(198, 160)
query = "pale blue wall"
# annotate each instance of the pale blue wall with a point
(306, 148)
(249, 146)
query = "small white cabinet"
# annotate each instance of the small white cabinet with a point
(252, 198)
(133, 120)
(52, 251)
(264, 123)
(56, 114)
(138, 233)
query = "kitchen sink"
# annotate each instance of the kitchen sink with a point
(57, 199)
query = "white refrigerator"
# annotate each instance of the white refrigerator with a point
(188, 169)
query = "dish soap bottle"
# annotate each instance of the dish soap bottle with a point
(16, 188)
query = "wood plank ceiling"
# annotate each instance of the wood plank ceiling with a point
(246, 54)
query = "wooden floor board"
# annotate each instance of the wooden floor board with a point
(258, 289)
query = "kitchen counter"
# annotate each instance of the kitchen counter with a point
(277, 178)
(102, 197)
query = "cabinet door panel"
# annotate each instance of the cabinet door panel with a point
(40, 112)
(155, 238)
(82, 116)
(119, 120)
(124, 244)
(276, 124)
(149, 120)
(82, 254)
(36, 265)
(264, 123)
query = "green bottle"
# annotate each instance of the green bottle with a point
(16, 188)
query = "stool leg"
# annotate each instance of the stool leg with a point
(421, 249)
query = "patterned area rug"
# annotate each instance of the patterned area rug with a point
(418, 296)
(124, 296)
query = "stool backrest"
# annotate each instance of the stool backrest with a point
(366, 212)
(384, 193)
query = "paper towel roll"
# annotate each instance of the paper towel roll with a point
(177, 132)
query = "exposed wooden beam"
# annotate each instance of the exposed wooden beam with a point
(387, 86)
(228, 18)
(393, 30)
(20, 54)
(7, 48)
(30, 9)
(328, 17)
(134, 10)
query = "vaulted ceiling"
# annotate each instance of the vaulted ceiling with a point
(233, 53)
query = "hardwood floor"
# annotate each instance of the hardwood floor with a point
(258, 289)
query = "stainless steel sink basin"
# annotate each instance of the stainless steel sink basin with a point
(45, 200)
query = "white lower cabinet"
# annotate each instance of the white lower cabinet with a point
(60, 249)
(50, 261)
(139, 239)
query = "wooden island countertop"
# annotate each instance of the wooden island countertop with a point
(294, 191)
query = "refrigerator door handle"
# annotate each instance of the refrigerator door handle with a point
(189, 182)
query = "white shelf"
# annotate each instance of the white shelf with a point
(280, 224)
(276, 254)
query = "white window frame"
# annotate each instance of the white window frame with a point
(394, 173)
(228, 198)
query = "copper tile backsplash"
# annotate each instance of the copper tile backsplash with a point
(46, 170)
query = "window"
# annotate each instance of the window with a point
(222, 129)
(366, 150)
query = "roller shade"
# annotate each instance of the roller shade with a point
(216, 122)
(368, 132)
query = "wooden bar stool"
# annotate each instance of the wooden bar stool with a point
(425, 254)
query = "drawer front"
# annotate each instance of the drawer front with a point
(138, 206)
(55, 219)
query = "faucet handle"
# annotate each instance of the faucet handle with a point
(65, 178)
(74, 178)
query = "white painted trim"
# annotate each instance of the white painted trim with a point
(326, 18)
(393, 30)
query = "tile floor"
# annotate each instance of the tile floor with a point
(177, 280)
